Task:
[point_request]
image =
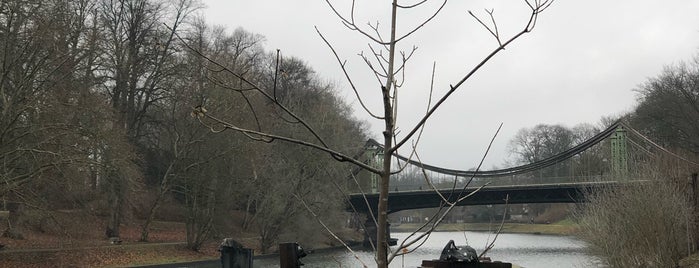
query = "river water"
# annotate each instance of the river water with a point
(525, 250)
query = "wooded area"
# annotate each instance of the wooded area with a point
(97, 97)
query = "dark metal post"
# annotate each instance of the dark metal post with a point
(370, 233)
(290, 255)
(233, 255)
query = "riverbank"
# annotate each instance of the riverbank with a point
(565, 227)
(83, 245)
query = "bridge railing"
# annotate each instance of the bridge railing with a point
(398, 186)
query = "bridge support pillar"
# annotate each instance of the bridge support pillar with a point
(620, 166)
(370, 233)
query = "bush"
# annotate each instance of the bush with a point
(640, 226)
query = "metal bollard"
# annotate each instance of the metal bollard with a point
(234, 255)
(290, 255)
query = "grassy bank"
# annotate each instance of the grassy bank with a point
(565, 227)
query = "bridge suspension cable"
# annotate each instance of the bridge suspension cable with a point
(659, 147)
(549, 161)
(552, 160)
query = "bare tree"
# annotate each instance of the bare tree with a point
(590, 163)
(136, 61)
(53, 122)
(669, 106)
(387, 62)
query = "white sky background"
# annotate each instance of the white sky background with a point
(582, 62)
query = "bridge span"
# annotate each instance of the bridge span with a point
(489, 195)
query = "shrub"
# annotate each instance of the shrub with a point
(640, 226)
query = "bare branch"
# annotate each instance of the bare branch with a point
(330, 231)
(422, 238)
(376, 30)
(423, 23)
(201, 113)
(276, 73)
(453, 88)
(352, 26)
(366, 201)
(462, 197)
(413, 5)
(344, 70)
(429, 182)
(417, 141)
(371, 67)
(494, 32)
(502, 223)
(380, 60)
(401, 68)
(434, 225)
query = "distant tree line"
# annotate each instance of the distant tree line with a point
(667, 113)
(95, 112)
(617, 223)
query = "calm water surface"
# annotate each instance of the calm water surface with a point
(530, 251)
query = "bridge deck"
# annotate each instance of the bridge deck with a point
(490, 195)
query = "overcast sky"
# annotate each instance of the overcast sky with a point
(582, 62)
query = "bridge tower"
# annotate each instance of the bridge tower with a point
(620, 168)
(374, 155)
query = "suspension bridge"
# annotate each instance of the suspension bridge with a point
(616, 156)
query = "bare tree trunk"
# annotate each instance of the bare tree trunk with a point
(13, 231)
(164, 186)
(381, 239)
(389, 110)
(115, 208)
(247, 219)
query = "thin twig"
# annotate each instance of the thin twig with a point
(351, 25)
(354, 209)
(436, 223)
(412, 6)
(315, 216)
(460, 198)
(225, 125)
(423, 23)
(502, 223)
(494, 32)
(344, 70)
(419, 135)
(487, 150)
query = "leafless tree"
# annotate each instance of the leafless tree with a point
(136, 61)
(53, 122)
(669, 106)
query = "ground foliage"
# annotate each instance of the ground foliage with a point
(79, 242)
(648, 226)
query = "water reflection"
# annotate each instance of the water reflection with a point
(530, 251)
